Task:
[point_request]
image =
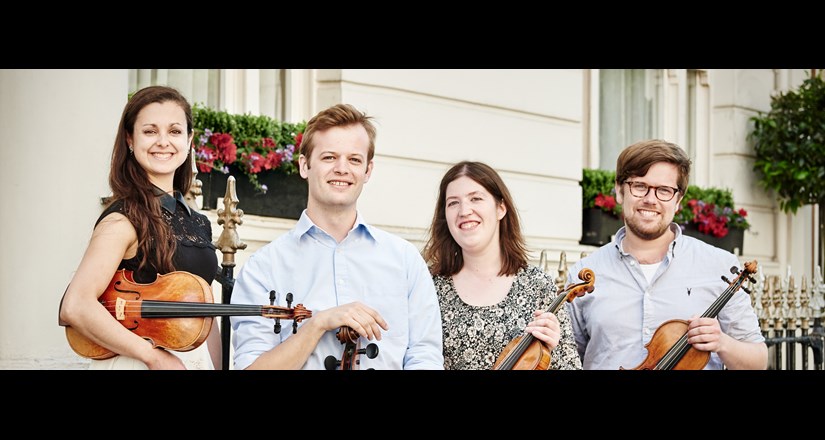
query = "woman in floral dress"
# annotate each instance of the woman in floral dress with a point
(487, 291)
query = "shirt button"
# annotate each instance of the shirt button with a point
(647, 331)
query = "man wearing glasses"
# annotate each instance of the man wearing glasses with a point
(651, 273)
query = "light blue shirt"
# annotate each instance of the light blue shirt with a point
(383, 271)
(612, 324)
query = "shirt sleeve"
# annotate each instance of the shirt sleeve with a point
(252, 335)
(425, 350)
(738, 318)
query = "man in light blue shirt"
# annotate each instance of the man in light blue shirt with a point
(652, 273)
(345, 271)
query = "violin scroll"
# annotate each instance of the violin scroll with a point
(296, 314)
(750, 269)
(352, 348)
(574, 291)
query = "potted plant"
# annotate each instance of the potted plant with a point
(709, 215)
(260, 152)
(789, 142)
(601, 215)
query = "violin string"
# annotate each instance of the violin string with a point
(680, 348)
(511, 358)
(183, 307)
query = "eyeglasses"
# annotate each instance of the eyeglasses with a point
(663, 193)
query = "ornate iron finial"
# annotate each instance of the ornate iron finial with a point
(780, 303)
(766, 316)
(817, 295)
(543, 260)
(561, 280)
(758, 292)
(804, 304)
(793, 304)
(196, 188)
(230, 217)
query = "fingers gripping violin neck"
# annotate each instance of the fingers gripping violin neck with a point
(526, 352)
(669, 348)
(352, 349)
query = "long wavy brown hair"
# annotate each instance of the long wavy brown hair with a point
(130, 183)
(442, 252)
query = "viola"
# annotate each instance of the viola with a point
(526, 352)
(174, 312)
(669, 349)
(352, 349)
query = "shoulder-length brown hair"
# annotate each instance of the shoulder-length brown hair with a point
(130, 183)
(443, 253)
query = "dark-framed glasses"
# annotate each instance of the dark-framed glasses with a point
(640, 189)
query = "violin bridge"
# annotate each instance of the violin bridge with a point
(120, 309)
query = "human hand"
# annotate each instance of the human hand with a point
(365, 320)
(545, 327)
(704, 333)
(164, 360)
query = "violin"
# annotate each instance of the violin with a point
(352, 348)
(669, 349)
(174, 312)
(526, 352)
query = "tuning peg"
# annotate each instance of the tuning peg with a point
(272, 295)
(725, 279)
(330, 363)
(371, 351)
(289, 300)
(294, 326)
(734, 270)
(277, 328)
(746, 289)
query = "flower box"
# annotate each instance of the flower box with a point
(598, 226)
(286, 195)
(731, 242)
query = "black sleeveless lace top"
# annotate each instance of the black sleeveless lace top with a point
(195, 252)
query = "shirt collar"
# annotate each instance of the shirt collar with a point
(304, 225)
(168, 202)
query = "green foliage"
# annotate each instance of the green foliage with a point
(595, 182)
(790, 145)
(598, 190)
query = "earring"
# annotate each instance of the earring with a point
(131, 151)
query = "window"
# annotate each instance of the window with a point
(256, 91)
(630, 104)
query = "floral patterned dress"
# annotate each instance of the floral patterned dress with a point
(474, 336)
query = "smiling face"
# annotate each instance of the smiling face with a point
(339, 168)
(648, 217)
(159, 141)
(473, 215)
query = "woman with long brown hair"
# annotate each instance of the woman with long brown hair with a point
(147, 228)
